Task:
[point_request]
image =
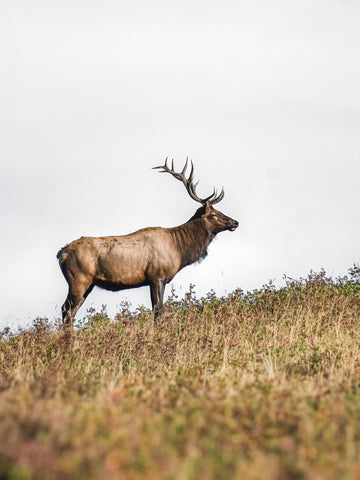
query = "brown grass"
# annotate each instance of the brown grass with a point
(263, 385)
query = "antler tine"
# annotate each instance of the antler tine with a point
(164, 167)
(185, 167)
(192, 174)
(188, 182)
(218, 198)
(208, 199)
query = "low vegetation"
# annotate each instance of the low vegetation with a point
(257, 385)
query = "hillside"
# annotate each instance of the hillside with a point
(257, 385)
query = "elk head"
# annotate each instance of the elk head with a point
(214, 220)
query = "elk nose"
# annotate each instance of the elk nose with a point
(234, 225)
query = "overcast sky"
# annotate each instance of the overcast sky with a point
(263, 96)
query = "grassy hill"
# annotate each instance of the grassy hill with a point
(257, 385)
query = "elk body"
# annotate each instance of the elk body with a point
(151, 256)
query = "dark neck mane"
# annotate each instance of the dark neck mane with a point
(192, 239)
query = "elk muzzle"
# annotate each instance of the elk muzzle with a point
(233, 225)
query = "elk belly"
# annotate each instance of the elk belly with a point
(121, 268)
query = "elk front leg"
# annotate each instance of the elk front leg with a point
(157, 288)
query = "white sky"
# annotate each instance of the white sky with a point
(263, 96)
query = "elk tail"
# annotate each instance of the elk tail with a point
(62, 255)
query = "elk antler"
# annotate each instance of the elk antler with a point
(189, 185)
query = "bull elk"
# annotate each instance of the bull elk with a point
(151, 256)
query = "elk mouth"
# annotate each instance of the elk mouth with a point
(234, 226)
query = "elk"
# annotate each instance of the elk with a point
(150, 256)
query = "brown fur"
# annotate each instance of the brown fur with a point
(151, 256)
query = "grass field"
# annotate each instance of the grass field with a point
(259, 385)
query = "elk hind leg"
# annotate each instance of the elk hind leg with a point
(73, 302)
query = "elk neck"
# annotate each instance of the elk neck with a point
(192, 239)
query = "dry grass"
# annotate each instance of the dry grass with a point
(264, 385)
